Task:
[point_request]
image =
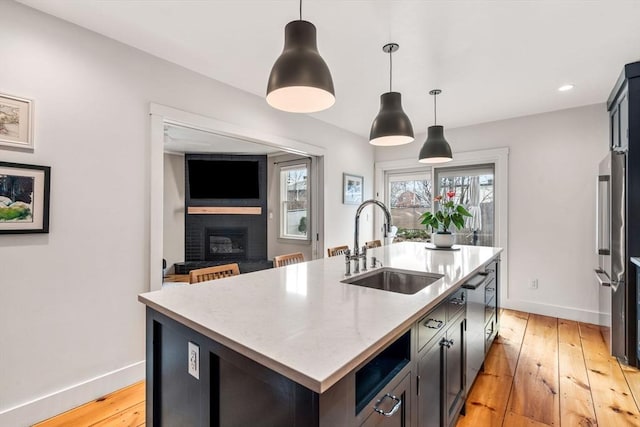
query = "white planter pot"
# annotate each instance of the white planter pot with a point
(442, 240)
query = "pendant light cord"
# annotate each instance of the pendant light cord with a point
(390, 68)
(301, 10)
(435, 110)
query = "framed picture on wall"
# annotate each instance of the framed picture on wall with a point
(16, 122)
(24, 198)
(352, 189)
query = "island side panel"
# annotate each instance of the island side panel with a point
(232, 390)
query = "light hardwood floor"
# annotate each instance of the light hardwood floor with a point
(541, 371)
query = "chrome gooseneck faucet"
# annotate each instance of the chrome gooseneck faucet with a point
(387, 228)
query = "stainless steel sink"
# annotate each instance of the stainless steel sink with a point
(394, 280)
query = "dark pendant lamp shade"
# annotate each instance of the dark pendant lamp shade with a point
(391, 126)
(300, 80)
(435, 149)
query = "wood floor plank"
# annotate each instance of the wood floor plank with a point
(516, 420)
(487, 401)
(593, 342)
(632, 375)
(99, 409)
(535, 387)
(131, 417)
(612, 398)
(507, 345)
(576, 404)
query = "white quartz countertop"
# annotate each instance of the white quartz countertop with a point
(303, 323)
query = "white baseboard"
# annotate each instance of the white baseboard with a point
(569, 313)
(70, 397)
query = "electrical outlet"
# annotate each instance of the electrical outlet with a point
(194, 360)
(533, 284)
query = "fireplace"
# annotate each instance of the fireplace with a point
(225, 244)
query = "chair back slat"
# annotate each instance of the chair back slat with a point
(337, 250)
(213, 273)
(288, 259)
(373, 244)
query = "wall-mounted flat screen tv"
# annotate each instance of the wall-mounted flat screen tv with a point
(223, 179)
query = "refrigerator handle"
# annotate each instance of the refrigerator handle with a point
(603, 209)
(602, 278)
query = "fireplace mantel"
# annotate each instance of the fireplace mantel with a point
(224, 210)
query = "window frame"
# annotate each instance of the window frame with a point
(282, 200)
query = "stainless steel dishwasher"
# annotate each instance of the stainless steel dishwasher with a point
(475, 325)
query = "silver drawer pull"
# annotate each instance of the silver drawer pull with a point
(457, 301)
(434, 324)
(490, 289)
(393, 410)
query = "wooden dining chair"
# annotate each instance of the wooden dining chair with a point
(288, 259)
(213, 273)
(337, 250)
(373, 244)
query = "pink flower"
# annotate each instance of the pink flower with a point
(450, 194)
(437, 198)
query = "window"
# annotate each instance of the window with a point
(294, 202)
(474, 188)
(409, 196)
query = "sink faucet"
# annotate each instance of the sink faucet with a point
(387, 225)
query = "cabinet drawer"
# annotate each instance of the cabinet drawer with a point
(489, 311)
(391, 408)
(491, 270)
(490, 291)
(431, 324)
(456, 303)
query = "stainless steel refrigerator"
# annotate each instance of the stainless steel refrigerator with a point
(616, 301)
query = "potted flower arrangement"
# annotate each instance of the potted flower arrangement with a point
(449, 213)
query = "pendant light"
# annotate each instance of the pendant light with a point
(436, 149)
(391, 126)
(300, 80)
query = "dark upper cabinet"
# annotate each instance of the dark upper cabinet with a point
(619, 121)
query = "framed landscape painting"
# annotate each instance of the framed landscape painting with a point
(24, 198)
(352, 188)
(16, 126)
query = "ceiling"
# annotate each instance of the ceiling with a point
(492, 59)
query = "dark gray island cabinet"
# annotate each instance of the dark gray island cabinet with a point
(414, 376)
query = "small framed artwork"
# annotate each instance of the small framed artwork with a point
(24, 198)
(352, 189)
(16, 122)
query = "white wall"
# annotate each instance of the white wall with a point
(71, 328)
(173, 215)
(553, 164)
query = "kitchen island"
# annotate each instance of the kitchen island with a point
(285, 345)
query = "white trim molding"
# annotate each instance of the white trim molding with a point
(561, 312)
(59, 401)
(161, 115)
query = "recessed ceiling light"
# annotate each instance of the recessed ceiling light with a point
(565, 88)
